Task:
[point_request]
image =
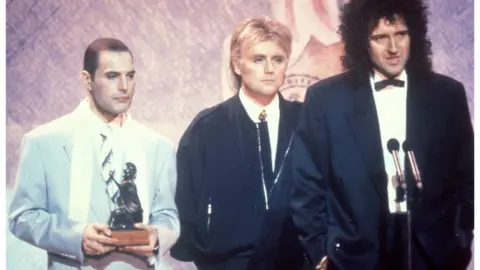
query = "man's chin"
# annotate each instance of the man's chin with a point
(117, 112)
(270, 91)
(394, 72)
(269, 95)
(120, 109)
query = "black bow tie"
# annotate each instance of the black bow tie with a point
(394, 82)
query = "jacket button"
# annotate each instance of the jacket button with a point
(350, 221)
(340, 181)
(337, 247)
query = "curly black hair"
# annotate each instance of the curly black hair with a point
(360, 17)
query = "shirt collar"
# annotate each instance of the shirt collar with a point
(254, 109)
(376, 78)
(97, 125)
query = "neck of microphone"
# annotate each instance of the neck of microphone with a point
(407, 149)
(393, 147)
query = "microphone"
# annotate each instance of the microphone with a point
(393, 146)
(413, 163)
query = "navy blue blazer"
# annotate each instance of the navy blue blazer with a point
(219, 191)
(339, 196)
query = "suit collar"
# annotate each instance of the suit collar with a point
(254, 109)
(420, 127)
(363, 120)
(85, 120)
(288, 115)
(79, 137)
(286, 129)
(365, 128)
(418, 91)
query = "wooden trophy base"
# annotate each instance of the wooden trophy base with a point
(131, 237)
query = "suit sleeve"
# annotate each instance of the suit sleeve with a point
(310, 156)
(164, 214)
(464, 165)
(185, 198)
(29, 217)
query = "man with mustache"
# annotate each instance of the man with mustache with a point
(65, 193)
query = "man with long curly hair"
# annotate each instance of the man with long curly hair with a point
(354, 206)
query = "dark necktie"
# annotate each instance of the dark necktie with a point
(266, 153)
(394, 82)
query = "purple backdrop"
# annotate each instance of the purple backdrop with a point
(177, 45)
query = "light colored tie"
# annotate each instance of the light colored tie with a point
(108, 170)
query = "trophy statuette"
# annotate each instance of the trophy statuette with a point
(128, 211)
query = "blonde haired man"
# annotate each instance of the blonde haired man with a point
(234, 169)
(316, 45)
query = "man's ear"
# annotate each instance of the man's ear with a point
(86, 79)
(236, 63)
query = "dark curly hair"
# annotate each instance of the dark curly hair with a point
(360, 17)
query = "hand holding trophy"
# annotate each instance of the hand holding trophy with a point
(128, 211)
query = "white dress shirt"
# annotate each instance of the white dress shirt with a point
(273, 118)
(391, 104)
(97, 127)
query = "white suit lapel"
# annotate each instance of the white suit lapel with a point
(81, 153)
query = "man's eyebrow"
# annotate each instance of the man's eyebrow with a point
(111, 71)
(378, 35)
(118, 72)
(263, 55)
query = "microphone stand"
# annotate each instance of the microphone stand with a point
(393, 147)
(409, 236)
(408, 214)
(407, 149)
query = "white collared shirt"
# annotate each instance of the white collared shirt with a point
(273, 118)
(391, 104)
(96, 127)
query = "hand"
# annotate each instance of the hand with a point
(146, 250)
(96, 239)
(323, 264)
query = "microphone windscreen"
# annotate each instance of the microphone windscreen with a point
(393, 145)
(406, 146)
